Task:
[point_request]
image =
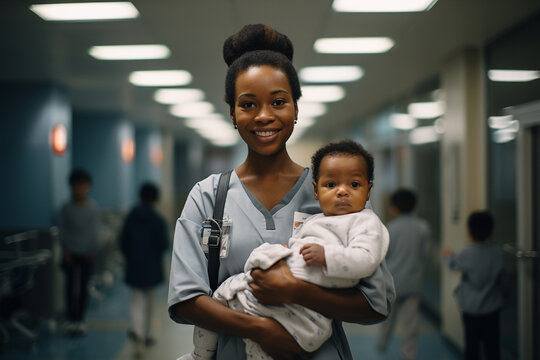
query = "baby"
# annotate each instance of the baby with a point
(334, 249)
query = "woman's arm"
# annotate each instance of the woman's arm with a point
(205, 312)
(277, 286)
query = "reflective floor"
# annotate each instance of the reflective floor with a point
(107, 336)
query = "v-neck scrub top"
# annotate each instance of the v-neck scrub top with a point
(252, 225)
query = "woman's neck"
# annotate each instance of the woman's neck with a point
(261, 166)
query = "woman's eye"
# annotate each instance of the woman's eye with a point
(278, 102)
(355, 184)
(247, 105)
(330, 185)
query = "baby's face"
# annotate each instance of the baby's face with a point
(343, 185)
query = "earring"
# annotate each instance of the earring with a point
(295, 121)
(236, 127)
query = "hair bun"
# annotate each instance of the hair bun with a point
(256, 37)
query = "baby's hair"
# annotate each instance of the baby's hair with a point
(480, 225)
(404, 200)
(257, 45)
(79, 176)
(345, 147)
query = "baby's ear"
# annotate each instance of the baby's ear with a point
(315, 190)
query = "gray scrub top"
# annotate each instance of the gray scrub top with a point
(252, 225)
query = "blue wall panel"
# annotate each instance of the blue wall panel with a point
(33, 181)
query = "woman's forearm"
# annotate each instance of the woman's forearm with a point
(205, 312)
(277, 286)
(348, 305)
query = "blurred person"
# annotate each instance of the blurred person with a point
(480, 293)
(333, 249)
(79, 226)
(143, 241)
(409, 238)
(262, 90)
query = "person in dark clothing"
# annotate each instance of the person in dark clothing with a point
(143, 241)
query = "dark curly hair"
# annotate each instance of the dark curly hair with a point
(347, 147)
(256, 45)
(480, 225)
(79, 176)
(404, 200)
(149, 193)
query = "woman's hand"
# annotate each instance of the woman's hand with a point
(276, 341)
(274, 286)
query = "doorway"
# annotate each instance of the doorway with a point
(528, 229)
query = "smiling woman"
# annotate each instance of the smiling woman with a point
(262, 91)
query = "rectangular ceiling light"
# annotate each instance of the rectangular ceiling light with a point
(372, 6)
(353, 45)
(196, 109)
(129, 52)
(403, 121)
(322, 93)
(89, 11)
(160, 78)
(426, 110)
(178, 96)
(333, 74)
(513, 75)
(423, 135)
(310, 109)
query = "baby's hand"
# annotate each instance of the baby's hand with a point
(313, 254)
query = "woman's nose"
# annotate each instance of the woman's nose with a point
(265, 114)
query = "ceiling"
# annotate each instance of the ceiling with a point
(34, 50)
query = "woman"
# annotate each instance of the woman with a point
(262, 90)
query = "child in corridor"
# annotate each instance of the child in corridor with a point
(480, 294)
(334, 249)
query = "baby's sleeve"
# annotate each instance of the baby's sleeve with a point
(366, 249)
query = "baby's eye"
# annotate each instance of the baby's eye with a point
(355, 184)
(330, 184)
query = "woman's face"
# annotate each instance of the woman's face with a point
(264, 109)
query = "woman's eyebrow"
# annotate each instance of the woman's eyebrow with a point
(246, 95)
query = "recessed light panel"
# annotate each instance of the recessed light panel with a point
(382, 5)
(426, 110)
(129, 52)
(177, 96)
(322, 93)
(513, 75)
(332, 74)
(353, 45)
(196, 109)
(160, 78)
(311, 109)
(403, 121)
(89, 11)
(423, 135)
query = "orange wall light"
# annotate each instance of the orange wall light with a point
(156, 155)
(128, 150)
(59, 139)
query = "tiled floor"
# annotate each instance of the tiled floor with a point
(107, 338)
